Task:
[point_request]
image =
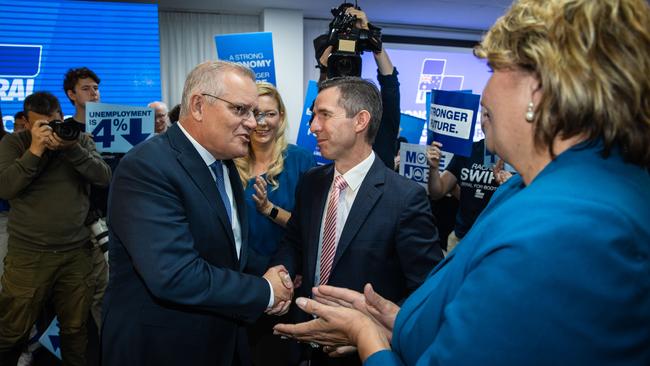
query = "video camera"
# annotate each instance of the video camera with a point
(349, 42)
(67, 130)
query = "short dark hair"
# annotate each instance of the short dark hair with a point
(175, 113)
(356, 95)
(42, 102)
(72, 78)
(19, 114)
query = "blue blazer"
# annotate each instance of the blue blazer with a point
(389, 239)
(553, 273)
(176, 294)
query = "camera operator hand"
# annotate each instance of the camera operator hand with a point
(57, 143)
(41, 137)
(362, 19)
(384, 64)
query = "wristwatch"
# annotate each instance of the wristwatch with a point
(274, 213)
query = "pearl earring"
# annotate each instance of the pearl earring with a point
(530, 114)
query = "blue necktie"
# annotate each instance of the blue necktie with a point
(221, 187)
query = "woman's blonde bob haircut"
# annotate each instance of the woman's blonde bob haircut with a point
(245, 164)
(592, 59)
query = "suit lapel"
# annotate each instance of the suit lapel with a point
(369, 193)
(319, 190)
(199, 173)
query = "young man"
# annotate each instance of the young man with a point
(81, 85)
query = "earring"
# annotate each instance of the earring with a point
(530, 114)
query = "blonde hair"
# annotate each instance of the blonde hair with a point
(245, 164)
(592, 58)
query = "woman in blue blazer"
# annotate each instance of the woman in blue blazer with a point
(556, 270)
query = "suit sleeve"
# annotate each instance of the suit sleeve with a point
(418, 244)
(384, 144)
(148, 216)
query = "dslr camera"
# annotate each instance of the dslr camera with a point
(68, 131)
(349, 42)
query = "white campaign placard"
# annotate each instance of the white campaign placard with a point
(117, 128)
(413, 163)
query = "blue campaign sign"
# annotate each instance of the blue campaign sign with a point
(117, 128)
(253, 50)
(305, 138)
(411, 127)
(452, 119)
(50, 338)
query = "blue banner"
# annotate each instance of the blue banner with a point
(41, 40)
(452, 119)
(117, 128)
(253, 50)
(305, 138)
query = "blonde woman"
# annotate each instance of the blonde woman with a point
(270, 173)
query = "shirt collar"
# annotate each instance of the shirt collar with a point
(354, 177)
(205, 154)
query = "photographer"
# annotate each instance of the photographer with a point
(384, 145)
(46, 179)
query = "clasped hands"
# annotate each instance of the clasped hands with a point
(345, 319)
(282, 285)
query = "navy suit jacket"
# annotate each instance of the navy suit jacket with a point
(177, 294)
(389, 239)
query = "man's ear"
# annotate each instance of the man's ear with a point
(362, 121)
(197, 104)
(71, 95)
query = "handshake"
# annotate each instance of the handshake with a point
(282, 285)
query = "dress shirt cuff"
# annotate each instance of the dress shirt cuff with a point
(270, 305)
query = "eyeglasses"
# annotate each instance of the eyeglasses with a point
(241, 111)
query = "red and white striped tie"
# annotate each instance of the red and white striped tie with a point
(329, 234)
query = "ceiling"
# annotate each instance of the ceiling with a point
(461, 14)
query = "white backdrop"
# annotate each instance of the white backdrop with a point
(187, 39)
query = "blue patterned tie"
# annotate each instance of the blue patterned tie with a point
(221, 187)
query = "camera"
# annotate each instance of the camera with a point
(348, 42)
(68, 131)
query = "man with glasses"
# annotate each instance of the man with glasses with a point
(178, 235)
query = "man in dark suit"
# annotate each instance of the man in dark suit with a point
(356, 221)
(177, 294)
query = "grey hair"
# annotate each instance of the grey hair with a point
(356, 95)
(207, 77)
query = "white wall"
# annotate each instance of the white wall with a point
(287, 28)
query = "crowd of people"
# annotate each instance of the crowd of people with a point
(228, 245)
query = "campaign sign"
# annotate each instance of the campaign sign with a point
(413, 163)
(411, 127)
(452, 118)
(305, 138)
(117, 128)
(253, 50)
(50, 338)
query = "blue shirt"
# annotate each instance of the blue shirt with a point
(263, 234)
(553, 273)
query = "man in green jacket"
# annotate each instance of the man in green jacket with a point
(46, 180)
